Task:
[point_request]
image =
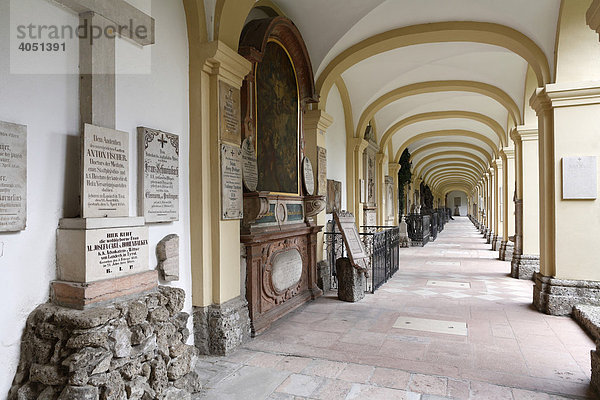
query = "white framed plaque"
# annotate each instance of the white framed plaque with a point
(158, 158)
(231, 182)
(308, 175)
(13, 177)
(579, 178)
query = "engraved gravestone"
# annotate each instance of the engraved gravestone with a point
(309, 178)
(158, 160)
(13, 177)
(231, 182)
(105, 181)
(579, 178)
(249, 165)
(347, 226)
(321, 170)
(229, 113)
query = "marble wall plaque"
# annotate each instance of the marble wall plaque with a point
(370, 217)
(579, 178)
(96, 254)
(158, 158)
(229, 113)
(232, 201)
(308, 175)
(105, 180)
(286, 270)
(13, 177)
(334, 196)
(321, 171)
(249, 165)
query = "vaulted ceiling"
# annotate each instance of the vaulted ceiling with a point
(443, 78)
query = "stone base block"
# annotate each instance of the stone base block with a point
(502, 250)
(509, 251)
(134, 348)
(324, 276)
(495, 243)
(83, 295)
(524, 266)
(588, 317)
(558, 296)
(221, 328)
(351, 281)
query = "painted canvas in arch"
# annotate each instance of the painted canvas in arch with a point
(277, 121)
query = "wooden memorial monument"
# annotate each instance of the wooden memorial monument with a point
(278, 230)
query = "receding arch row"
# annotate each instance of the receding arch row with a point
(440, 32)
(450, 187)
(444, 145)
(455, 171)
(454, 114)
(444, 133)
(457, 178)
(442, 155)
(440, 163)
(485, 89)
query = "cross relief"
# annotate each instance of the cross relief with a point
(105, 19)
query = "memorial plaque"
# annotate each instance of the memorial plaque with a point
(370, 217)
(334, 196)
(347, 226)
(321, 170)
(13, 177)
(579, 178)
(286, 269)
(232, 201)
(105, 180)
(229, 113)
(158, 184)
(309, 177)
(95, 254)
(249, 165)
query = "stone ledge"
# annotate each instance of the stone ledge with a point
(83, 295)
(559, 296)
(588, 317)
(524, 266)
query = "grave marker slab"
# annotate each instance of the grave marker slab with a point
(232, 201)
(13, 177)
(158, 160)
(250, 165)
(105, 179)
(321, 170)
(309, 177)
(347, 226)
(229, 113)
(579, 178)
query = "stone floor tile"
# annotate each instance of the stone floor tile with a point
(391, 378)
(293, 363)
(367, 392)
(332, 389)
(265, 360)
(324, 368)
(458, 389)
(486, 391)
(299, 385)
(247, 383)
(520, 394)
(428, 384)
(356, 373)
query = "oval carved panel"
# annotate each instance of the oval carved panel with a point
(286, 269)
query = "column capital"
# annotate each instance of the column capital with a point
(508, 152)
(393, 169)
(525, 133)
(592, 16)
(358, 144)
(565, 95)
(219, 59)
(540, 101)
(317, 120)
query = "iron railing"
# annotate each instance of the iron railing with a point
(382, 244)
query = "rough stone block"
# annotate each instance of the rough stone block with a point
(351, 281)
(559, 296)
(324, 276)
(524, 266)
(167, 253)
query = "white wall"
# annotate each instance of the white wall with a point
(463, 201)
(49, 106)
(335, 140)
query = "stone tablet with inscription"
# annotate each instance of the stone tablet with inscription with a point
(347, 226)
(229, 113)
(321, 170)
(579, 178)
(13, 177)
(309, 177)
(159, 175)
(232, 201)
(105, 179)
(96, 254)
(249, 165)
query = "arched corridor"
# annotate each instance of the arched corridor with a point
(451, 323)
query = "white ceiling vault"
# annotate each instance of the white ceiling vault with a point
(462, 122)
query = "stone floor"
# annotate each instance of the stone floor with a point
(450, 324)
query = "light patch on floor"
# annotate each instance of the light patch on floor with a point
(449, 284)
(447, 244)
(444, 263)
(432, 325)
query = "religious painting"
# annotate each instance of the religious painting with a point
(334, 196)
(277, 113)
